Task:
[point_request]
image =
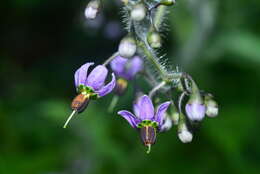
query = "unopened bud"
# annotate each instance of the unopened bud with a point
(92, 9)
(167, 2)
(195, 111)
(127, 47)
(138, 12)
(154, 39)
(184, 134)
(195, 108)
(211, 108)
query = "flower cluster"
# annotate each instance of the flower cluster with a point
(137, 54)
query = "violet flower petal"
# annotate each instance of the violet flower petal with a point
(118, 65)
(97, 77)
(161, 112)
(136, 65)
(108, 88)
(136, 109)
(195, 111)
(146, 109)
(80, 75)
(132, 120)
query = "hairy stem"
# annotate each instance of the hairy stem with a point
(147, 51)
(159, 16)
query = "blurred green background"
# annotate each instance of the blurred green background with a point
(43, 42)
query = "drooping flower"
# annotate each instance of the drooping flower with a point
(90, 86)
(195, 111)
(146, 120)
(195, 108)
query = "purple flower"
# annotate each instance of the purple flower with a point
(126, 68)
(94, 82)
(89, 87)
(146, 119)
(195, 111)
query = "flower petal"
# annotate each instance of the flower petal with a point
(108, 88)
(166, 125)
(160, 114)
(97, 77)
(80, 75)
(136, 65)
(118, 65)
(146, 109)
(132, 120)
(136, 109)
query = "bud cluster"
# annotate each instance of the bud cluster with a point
(136, 55)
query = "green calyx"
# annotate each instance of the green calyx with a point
(87, 90)
(150, 123)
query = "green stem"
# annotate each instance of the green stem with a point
(159, 16)
(156, 88)
(110, 59)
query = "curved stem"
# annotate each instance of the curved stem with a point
(180, 101)
(110, 59)
(156, 88)
(148, 149)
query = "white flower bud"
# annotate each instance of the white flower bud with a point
(92, 9)
(184, 134)
(138, 12)
(127, 47)
(211, 108)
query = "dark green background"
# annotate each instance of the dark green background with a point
(43, 42)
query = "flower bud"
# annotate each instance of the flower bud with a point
(154, 39)
(127, 47)
(167, 2)
(184, 134)
(211, 108)
(138, 12)
(195, 108)
(195, 111)
(92, 9)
